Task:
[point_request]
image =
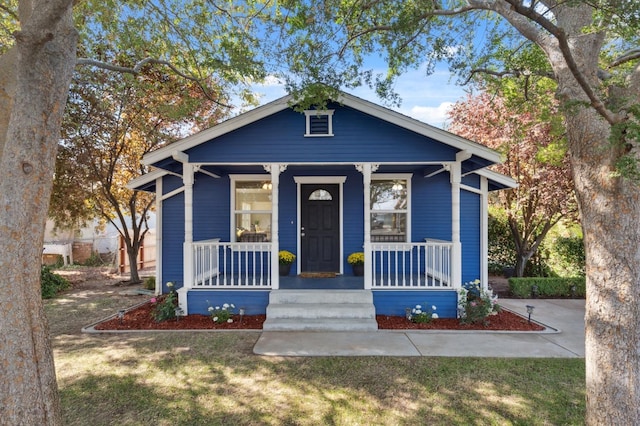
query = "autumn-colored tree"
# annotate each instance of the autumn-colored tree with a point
(112, 120)
(544, 194)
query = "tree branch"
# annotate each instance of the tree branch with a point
(563, 44)
(515, 73)
(628, 56)
(137, 68)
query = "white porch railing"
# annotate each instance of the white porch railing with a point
(411, 265)
(231, 265)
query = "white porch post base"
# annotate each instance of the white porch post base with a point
(182, 300)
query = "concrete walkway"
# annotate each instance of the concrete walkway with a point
(563, 338)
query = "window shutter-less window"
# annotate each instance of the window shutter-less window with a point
(319, 123)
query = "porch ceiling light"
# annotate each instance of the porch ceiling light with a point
(267, 185)
(397, 186)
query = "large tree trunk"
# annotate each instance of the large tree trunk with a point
(610, 215)
(43, 62)
(610, 209)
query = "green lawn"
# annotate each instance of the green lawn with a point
(209, 378)
(214, 379)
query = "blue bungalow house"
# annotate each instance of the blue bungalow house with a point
(354, 177)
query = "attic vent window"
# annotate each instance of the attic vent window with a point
(319, 123)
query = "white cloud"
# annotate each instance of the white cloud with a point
(434, 115)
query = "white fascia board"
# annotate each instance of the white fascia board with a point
(145, 178)
(498, 177)
(218, 130)
(421, 128)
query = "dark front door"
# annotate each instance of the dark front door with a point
(320, 228)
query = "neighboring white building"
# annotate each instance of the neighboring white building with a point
(78, 245)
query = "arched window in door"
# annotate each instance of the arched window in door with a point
(320, 195)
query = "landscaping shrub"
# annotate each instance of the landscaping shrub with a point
(475, 305)
(569, 257)
(547, 287)
(94, 260)
(502, 250)
(51, 283)
(150, 283)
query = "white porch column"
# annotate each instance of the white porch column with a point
(187, 178)
(456, 249)
(366, 170)
(484, 232)
(275, 169)
(159, 219)
(187, 250)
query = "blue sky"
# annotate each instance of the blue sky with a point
(424, 98)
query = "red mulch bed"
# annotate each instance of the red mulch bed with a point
(140, 318)
(504, 320)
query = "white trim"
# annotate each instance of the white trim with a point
(470, 188)
(172, 193)
(484, 232)
(307, 116)
(396, 176)
(233, 178)
(188, 226)
(305, 180)
(198, 169)
(159, 218)
(497, 177)
(456, 249)
(146, 178)
(320, 179)
(239, 177)
(275, 233)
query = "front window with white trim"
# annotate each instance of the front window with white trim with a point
(251, 199)
(390, 198)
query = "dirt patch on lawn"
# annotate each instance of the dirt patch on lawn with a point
(94, 294)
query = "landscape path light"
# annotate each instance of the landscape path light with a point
(530, 309)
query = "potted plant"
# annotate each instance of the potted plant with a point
(356, 260)
(286, 258)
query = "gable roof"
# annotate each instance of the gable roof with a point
(382, 113)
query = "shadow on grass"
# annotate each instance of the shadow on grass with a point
(213, 378)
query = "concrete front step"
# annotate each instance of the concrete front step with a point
(321, 310)
(320, 296)
(320, 324)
